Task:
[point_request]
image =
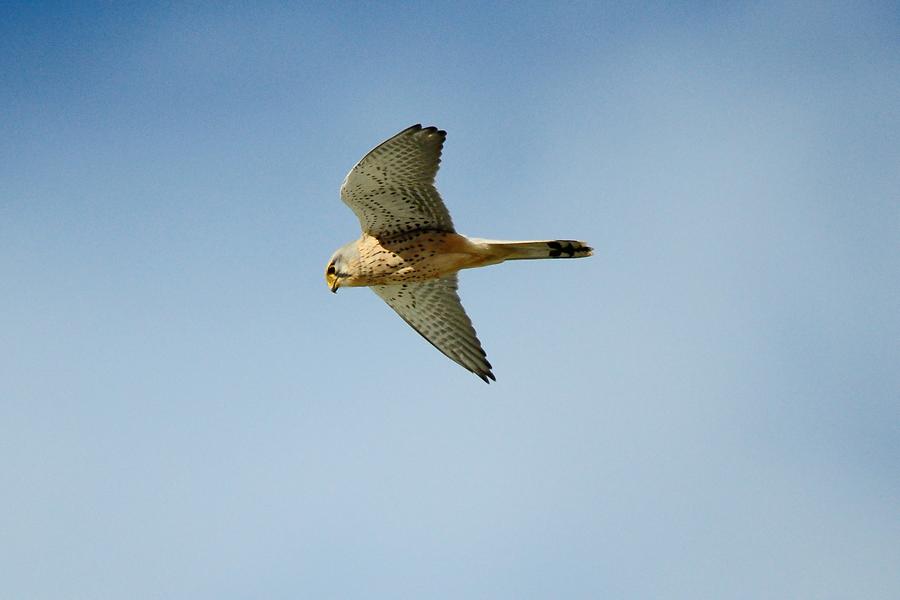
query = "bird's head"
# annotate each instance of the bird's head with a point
(338, 270)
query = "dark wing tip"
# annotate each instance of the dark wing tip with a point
(485, 376)
(485, 373)
(431, 129)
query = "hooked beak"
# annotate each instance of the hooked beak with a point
(335, 284)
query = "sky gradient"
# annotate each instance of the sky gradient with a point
(707, 408)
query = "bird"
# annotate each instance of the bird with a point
(409, 253)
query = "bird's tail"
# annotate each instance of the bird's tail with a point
(538, 249)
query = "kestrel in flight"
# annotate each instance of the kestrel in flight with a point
(409, 252)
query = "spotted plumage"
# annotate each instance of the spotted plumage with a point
(409, 252)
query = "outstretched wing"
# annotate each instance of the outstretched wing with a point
(433, 309)
(391, 189)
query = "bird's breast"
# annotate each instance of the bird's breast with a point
(415, 256)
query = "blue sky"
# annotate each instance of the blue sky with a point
(707, 408)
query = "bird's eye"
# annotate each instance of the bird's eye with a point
(330, 269)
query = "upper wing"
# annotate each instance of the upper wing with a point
(391, 189)
(433, 309)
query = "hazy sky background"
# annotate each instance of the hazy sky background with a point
(708, 408)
